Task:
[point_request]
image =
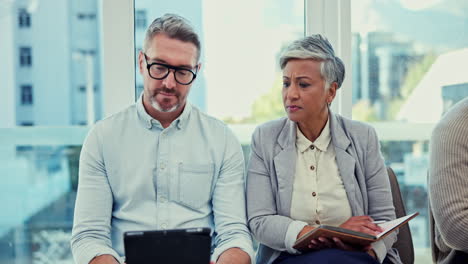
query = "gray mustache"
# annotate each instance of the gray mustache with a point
(167, 91)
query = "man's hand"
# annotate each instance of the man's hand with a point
(233, 256)
(104, 259)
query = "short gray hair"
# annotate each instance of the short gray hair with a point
(318, 48)
(174, 26)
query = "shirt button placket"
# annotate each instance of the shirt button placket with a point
(163, 181)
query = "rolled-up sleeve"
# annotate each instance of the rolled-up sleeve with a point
(228, 200)
(294, 229)
(93, 209)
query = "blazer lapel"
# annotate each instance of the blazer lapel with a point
(346, 162)
(285, 167)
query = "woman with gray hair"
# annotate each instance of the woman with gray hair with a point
(316, 167)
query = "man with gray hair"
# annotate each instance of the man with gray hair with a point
(161, 163)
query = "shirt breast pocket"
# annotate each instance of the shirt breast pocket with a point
(195, 182)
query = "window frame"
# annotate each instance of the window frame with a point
(117, 55)
(332, 18)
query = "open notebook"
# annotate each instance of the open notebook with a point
(350, 236)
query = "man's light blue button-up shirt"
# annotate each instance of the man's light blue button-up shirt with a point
(136, 175)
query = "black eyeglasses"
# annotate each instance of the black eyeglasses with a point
(160, 71)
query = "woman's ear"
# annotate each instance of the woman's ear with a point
(332, 92)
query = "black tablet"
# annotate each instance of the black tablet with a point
(178, 246)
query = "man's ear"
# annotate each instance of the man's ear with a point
(141, 62)
(199, 67)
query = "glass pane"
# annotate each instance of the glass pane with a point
(409, 160)
(51, 83)
(38, 190)
(241, 40)
(408, 61)
(50, 63)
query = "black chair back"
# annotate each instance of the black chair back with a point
(404, 243)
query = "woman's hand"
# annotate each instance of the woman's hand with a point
(314, 244)
(304, 231)
(363, 224)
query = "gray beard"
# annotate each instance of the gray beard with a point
(156, 106)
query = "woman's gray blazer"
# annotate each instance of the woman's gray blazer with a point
(271, 175)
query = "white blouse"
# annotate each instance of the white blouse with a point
(319, 196)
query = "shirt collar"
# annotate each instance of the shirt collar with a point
(148, 121)
(321, 143)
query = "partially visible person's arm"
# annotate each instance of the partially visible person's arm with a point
(91, 236)
(448, 179)
(233, 237)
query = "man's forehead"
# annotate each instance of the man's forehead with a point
(172, 51)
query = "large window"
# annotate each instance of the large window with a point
(405, 65)
(407, 59)
(40, 109)
(404, 60)
(240, 74)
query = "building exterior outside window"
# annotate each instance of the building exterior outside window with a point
(26, 94)
(42, 118)
(89, 16)
(24, 18)
(25, 56)
(140, 19)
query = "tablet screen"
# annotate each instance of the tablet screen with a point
(188, 246)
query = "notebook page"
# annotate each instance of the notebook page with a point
(387, 226)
